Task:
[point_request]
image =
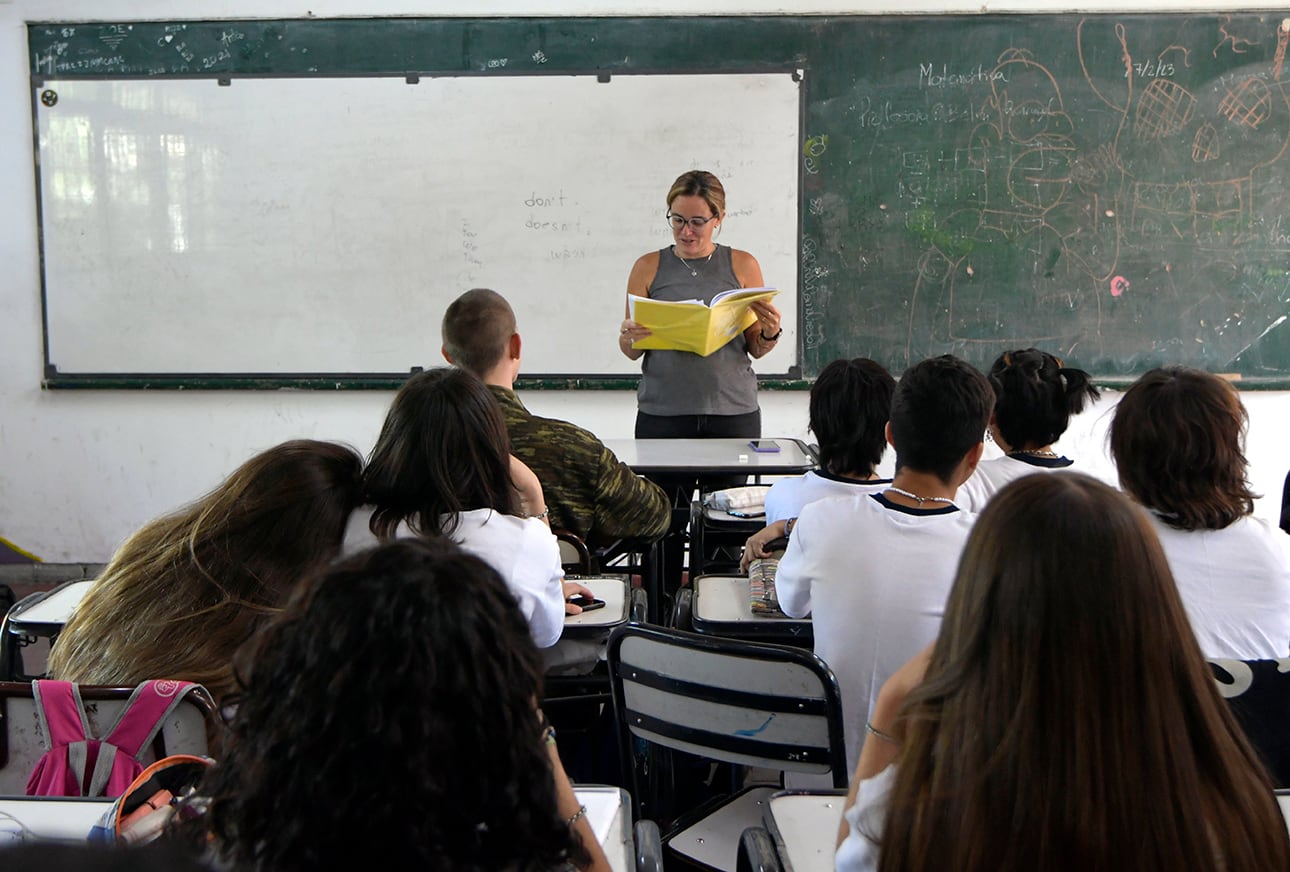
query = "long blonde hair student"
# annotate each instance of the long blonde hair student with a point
(182, 593)
(1067, 720)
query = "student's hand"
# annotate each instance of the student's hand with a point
(572, 589)
(755, 547)
(525, 481)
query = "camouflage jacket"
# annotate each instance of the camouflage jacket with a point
(589, 491)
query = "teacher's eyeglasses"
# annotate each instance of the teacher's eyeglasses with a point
(679, 221)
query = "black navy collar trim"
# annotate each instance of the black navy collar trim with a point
(910, 510)
(824, 474)
(1045, 462)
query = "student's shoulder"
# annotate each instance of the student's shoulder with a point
(552, 437)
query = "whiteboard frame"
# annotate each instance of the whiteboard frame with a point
(785, 376)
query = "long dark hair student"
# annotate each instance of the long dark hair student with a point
(182, 593)
(1067, 720)
(390, 713)
(443, 450)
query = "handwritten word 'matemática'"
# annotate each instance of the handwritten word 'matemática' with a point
(928, 77)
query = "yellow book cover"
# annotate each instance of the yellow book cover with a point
(692, 325)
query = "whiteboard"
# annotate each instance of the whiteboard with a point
(322, 225)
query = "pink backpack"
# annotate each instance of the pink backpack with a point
(78, 764)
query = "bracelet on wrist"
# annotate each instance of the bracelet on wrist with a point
(546, 511)
(775, 338)
(886, 737)
(578, 815)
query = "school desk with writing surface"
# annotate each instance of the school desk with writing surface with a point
(43, 818)
(804, 827)
(38, 616)
(705, 459)
(720, 605)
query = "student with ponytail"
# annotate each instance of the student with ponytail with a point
(1035, 396)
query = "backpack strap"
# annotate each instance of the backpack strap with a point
(62, 721)
(141, 718)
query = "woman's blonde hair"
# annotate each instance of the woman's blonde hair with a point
(184, 591)
(702, 184)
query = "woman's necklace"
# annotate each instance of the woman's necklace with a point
(921, 500)
(694, 271)
(1034, 452)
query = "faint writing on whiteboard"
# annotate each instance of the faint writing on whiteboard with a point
(929, 77)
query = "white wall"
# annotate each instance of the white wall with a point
(80, 469)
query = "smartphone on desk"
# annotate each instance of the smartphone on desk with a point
(745, 513)
(768, 446)
(586, 604)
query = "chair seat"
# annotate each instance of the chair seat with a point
(713, 841)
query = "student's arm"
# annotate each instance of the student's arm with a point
(628, 506)
(881, 744)
(525, 482)
(755, 547)
(569, 808)
(540, 576)
(642, 276)
(799, 568)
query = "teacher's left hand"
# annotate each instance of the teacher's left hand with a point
(768, 317)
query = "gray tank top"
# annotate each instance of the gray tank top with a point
(682, 383)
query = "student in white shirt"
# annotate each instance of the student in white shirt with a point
(873, 570)
(442, 467)
(1035, 394)
(1177, 441)
(849, 407)
(1065, 718)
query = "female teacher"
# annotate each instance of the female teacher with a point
(682, 394)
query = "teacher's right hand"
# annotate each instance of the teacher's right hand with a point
(630, 332)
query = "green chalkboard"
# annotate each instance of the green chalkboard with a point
(1110, 187)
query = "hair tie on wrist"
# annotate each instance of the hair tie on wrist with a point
(775, 338)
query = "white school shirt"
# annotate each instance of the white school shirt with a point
(858, 851)
(991, 475)
(1235, 586)
(874, 576)
(524, 552)
(787, 496)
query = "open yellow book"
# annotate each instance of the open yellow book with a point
(692, 325)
